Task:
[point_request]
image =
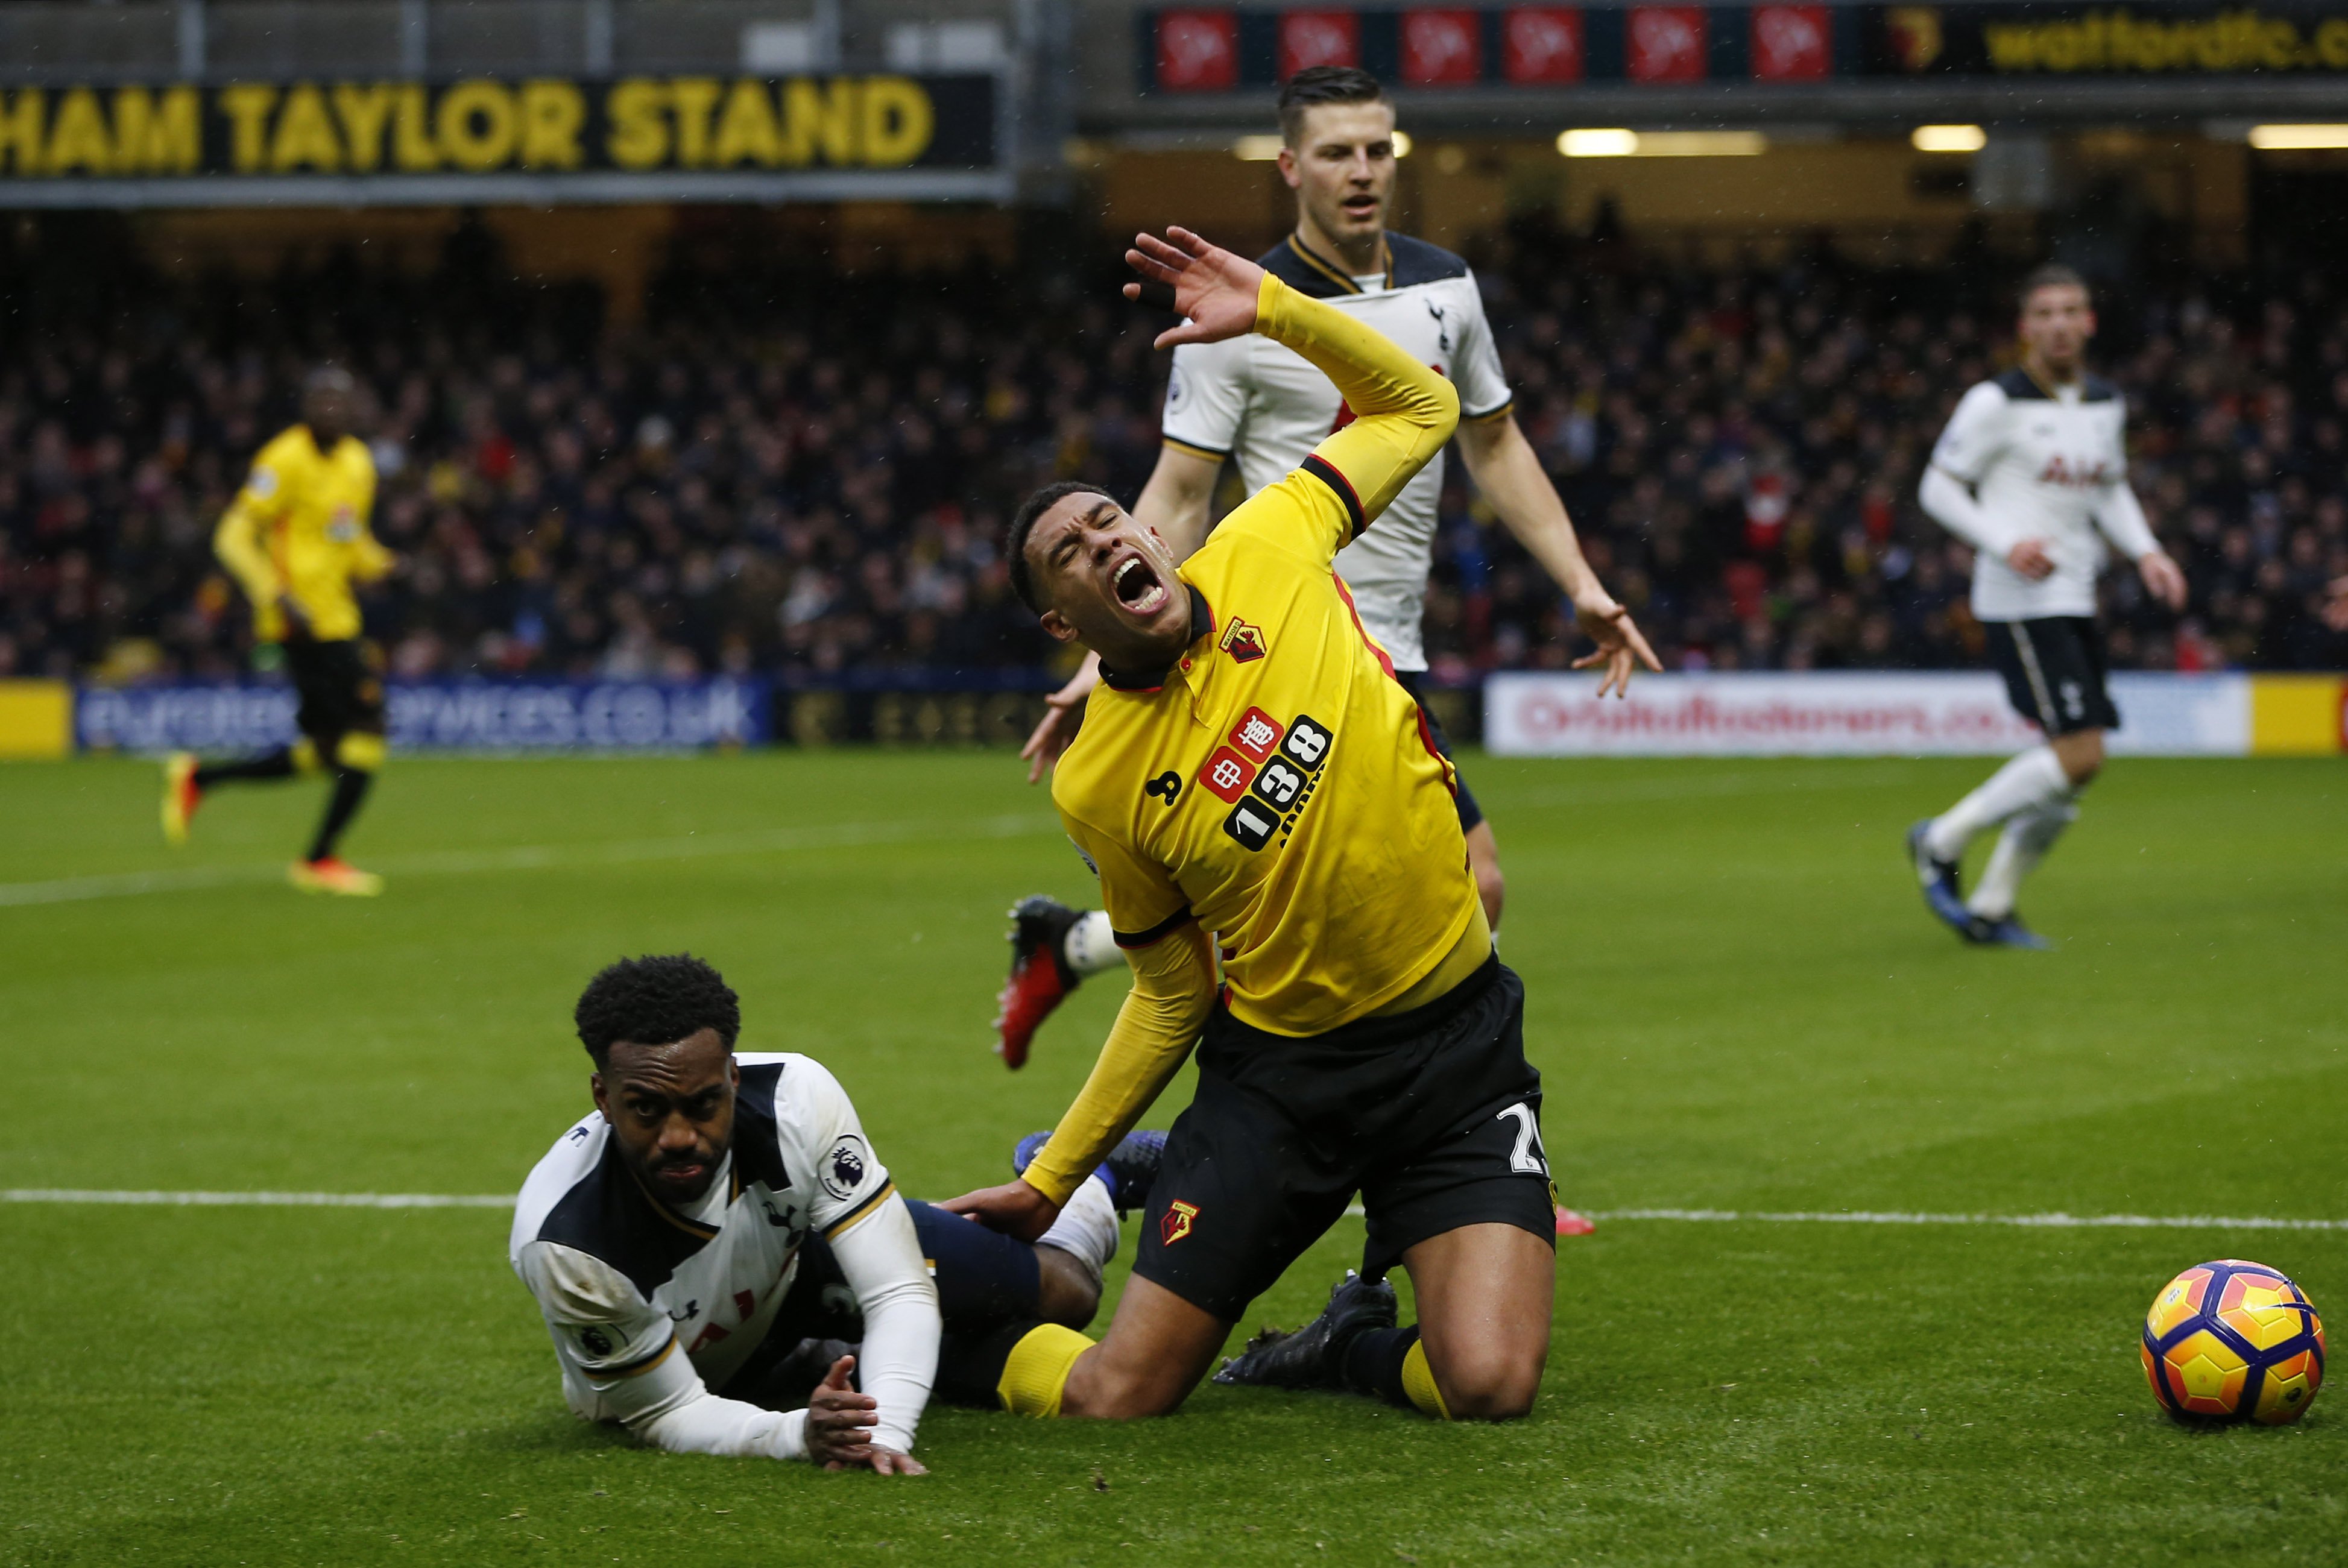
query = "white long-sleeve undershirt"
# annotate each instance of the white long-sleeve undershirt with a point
(1950, 503)
(666, 1404)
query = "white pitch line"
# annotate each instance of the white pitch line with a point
(556, 856)
(543, 857)
(261, 1199)
(2058, 1221)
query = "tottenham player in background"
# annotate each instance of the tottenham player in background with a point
(1253, 400)
(706, 1242)
(295, 538)
(2032, 473)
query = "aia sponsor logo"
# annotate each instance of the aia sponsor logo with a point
(1177, 1223)
(1792, 43)
(1198, 51)
(1442, 48)
(1666, 44)
(2079, 476)
(1318, 39)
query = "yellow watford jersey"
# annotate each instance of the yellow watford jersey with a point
(299, 527)
(1277, 783)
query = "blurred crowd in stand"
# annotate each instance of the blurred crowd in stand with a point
(786, 469)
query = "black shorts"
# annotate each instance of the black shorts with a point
(340, 687)
(1432, 1115)
(985, 1280)
(1415, 683)
(2053, 672)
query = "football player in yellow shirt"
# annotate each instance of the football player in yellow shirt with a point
(1253, 782)
(295, 538)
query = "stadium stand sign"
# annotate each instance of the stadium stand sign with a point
(356, 142)
(1900, 714)
(1207, 49)
(440, 715)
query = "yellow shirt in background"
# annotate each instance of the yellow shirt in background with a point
(299, 528)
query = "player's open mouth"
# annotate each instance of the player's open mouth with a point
(1361, 206)
(1137, 587)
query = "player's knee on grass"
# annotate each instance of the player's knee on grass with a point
(1486, 1382)
(1067, 1293)
(1110, 1388)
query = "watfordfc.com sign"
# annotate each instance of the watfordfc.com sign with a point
(550, 138)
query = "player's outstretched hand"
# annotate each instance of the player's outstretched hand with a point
(2163, 578)
(1064, 712)
(839, 1420)
(1621, 646)
(1215, 289)
(1013, 1208)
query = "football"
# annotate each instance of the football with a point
(2233, 1342)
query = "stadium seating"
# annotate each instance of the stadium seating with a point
(802, 472)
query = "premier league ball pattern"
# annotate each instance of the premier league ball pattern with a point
(2233, 1342)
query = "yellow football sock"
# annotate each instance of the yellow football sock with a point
(305, 755)
(1418, 1382)
(1036, 1371)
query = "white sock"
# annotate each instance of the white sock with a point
(1090, 945)
(2032, 779)
(2028, 835)
(1086, 1228)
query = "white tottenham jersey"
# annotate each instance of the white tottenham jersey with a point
(2044, 464)
(1250, 397)
(625, 1281)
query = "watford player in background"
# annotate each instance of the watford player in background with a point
(295, 538)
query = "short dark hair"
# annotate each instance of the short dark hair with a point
(1317, 85)
(2051, 275)
(655, 1002)
(1022, 523)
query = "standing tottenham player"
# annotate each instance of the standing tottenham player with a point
(1255, 400)
(2032, 473)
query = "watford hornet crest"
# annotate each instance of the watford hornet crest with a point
(1244, 643)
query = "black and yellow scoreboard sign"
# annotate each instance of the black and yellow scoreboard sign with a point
(720, 138)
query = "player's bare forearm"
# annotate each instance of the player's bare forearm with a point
(1508, 471)
(1063, 715)
(1179, 498)
(1015, 1208)
(1173, 989)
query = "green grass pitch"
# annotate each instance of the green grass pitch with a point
(1735, 999)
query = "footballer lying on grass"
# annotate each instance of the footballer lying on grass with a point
(729, 1208)
(1251, 777)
